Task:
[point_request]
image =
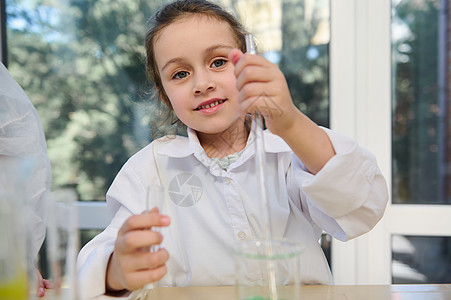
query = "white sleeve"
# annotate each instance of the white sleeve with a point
(348, 196)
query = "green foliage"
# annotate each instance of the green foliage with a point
(82, 63)
(416, 112)
(307, 75)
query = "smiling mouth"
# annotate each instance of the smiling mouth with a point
(210, 105)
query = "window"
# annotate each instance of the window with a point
(421, 103)
(421, 259)
(82, 64)
(370, 70)
(421, 156)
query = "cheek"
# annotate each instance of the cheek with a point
(179, 102)
(172, 93)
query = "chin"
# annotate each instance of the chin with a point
(218, 127)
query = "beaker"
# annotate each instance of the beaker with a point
(263, 275)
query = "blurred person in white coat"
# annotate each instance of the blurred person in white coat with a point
(22, 136)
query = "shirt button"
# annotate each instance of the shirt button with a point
(227, 180)
(241, 235)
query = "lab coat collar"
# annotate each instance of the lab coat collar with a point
(178, 147)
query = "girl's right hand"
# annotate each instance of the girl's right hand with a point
(132, 265)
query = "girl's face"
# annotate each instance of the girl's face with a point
(196, 74)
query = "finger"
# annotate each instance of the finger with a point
(251, 60)
(137, 280)
(153, 210)
(253, 91)
(136, 239)
(235, 55)
(144, 260)
(263, 103)
(41, 284)
(143, 221)
(253, 74)
(41, 292)
(47, 284)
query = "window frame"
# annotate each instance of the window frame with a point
(3, 54)
(361, 109)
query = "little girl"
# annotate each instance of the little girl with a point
(316, 179)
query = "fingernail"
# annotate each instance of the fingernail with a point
(165, 219)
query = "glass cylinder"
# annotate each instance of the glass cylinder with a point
(14, 266)
(267, 270)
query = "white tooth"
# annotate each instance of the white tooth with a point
(216, 103)
(207, 106)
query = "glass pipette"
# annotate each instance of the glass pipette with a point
(257, 127)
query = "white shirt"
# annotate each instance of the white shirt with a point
(22, 137)
(212, 209)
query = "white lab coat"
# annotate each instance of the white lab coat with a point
(22, 138)
(212, 209)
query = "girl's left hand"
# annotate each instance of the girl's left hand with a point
(262, 87)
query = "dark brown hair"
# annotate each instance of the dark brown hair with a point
(175, 11)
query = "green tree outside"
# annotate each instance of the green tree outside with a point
(82, 63)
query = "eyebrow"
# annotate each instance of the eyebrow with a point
(207, 51)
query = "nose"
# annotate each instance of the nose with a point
(203, 84)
